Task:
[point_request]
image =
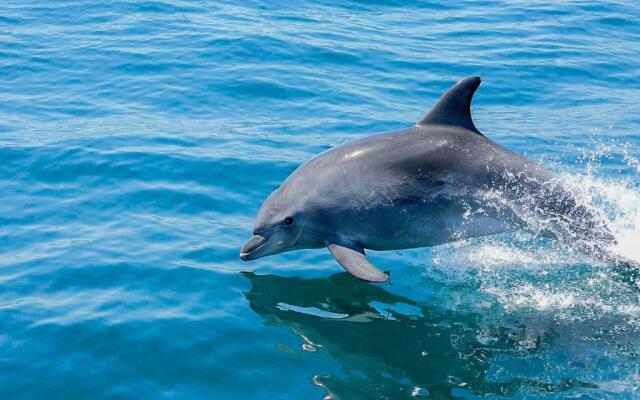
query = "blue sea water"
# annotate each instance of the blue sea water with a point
(138, 140)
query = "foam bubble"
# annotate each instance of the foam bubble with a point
(523, 272)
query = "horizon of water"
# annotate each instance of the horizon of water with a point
(139, 139)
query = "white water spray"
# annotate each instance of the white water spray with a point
(522, 271)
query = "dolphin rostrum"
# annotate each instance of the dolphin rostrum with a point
(433, 183)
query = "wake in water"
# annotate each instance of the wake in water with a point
(616, 199)
(528, 271)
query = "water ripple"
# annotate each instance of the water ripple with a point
(138, 140)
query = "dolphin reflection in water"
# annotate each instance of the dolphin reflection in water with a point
(389, 346)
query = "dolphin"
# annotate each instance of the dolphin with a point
(436, 182)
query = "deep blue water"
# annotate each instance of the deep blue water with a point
(138, 140)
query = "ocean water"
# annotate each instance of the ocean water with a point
(138, 140)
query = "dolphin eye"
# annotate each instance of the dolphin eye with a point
(288, 221)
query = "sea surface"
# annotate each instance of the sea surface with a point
(138, 140)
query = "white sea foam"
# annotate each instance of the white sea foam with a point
(524, 272)
(617, 199)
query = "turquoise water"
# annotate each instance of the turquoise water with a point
(138, 140)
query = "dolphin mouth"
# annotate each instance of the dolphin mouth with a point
(250, 251)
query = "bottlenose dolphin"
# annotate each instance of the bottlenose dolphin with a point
(433, 183)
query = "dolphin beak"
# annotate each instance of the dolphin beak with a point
(250, 250)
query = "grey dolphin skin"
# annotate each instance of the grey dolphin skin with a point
(433, 183)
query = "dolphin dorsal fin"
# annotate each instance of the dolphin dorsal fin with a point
(454, 107)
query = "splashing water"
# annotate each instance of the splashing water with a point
(617, 198)
(524, 272)
(139, 139)
(620, 203)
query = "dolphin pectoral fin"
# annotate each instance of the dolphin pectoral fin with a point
(353, 259)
